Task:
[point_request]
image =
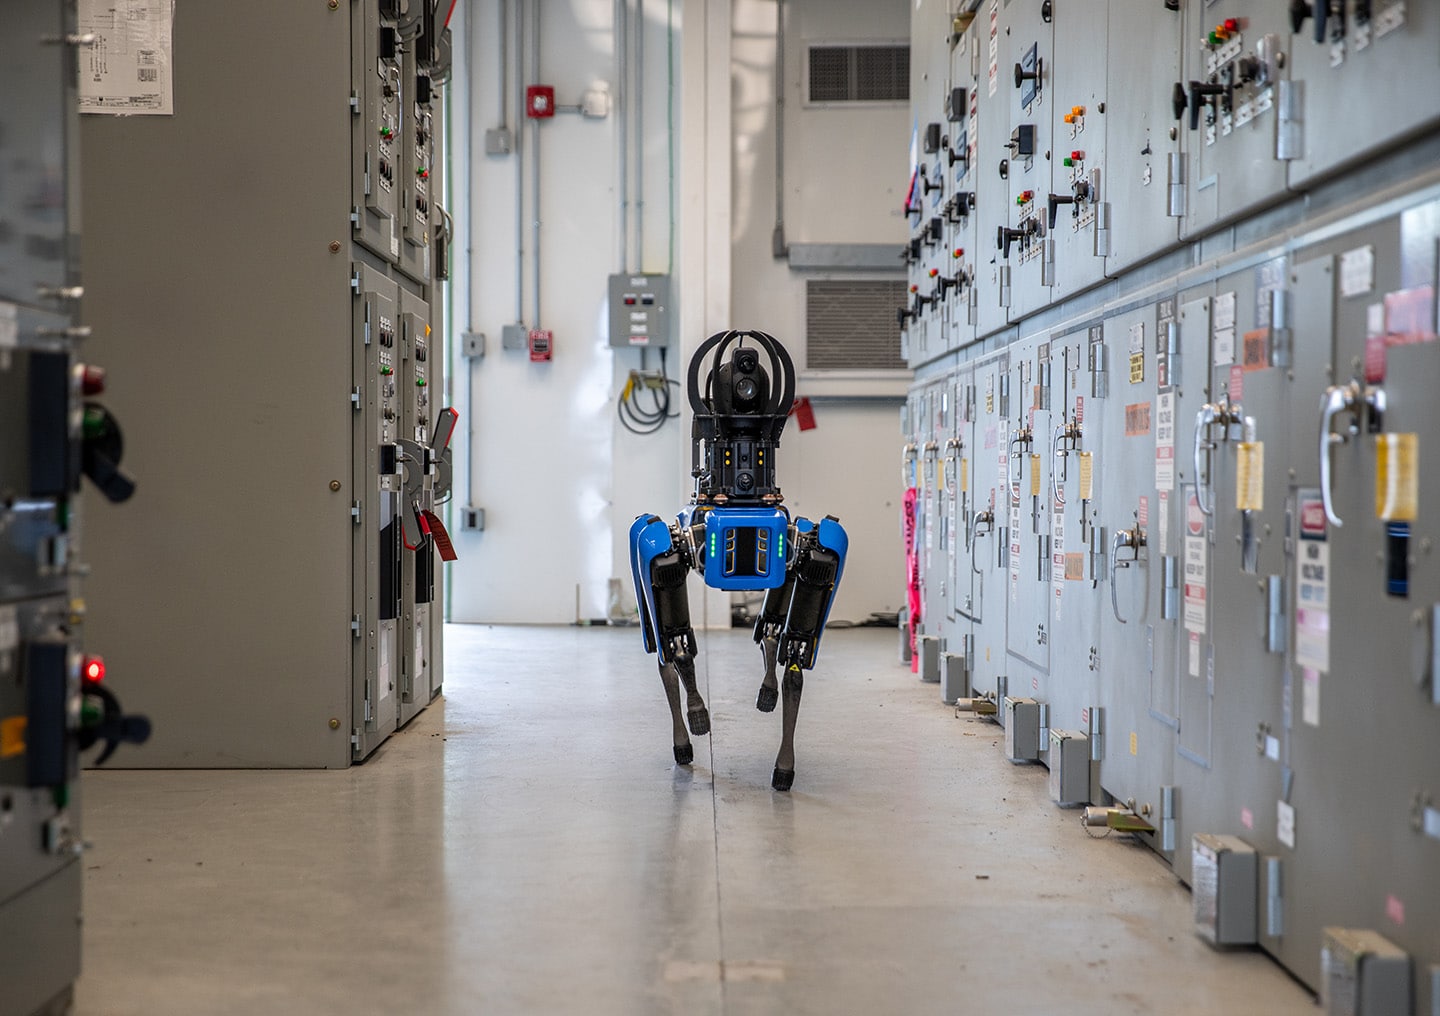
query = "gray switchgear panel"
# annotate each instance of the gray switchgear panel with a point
(640, 309)
(1171, 462)
(296, 578)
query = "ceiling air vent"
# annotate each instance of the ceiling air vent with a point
(863, 73)
(850, 324)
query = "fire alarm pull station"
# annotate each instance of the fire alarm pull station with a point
(539, 101)
(540, 345)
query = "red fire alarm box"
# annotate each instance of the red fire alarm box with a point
(540, 345)
(539, 101)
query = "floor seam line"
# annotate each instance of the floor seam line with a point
(715, 818)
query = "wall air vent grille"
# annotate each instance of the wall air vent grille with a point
(866, 73)
(851, 324)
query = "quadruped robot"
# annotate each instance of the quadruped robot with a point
(737, 534)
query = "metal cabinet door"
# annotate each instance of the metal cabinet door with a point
(1027, 578)
(1076, 432)
(1076, 129)
(1370, 77)
(1140, 155)
(1233, 156)
(989, 544)
(1137, 645)
(37, 137)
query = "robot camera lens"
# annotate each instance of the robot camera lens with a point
(744, 481)
(746, 361)
(745, 389)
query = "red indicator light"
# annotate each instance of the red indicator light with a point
(958, 252)
(1077, 155)
(1232, 25)
(92, 380)
(914, 289)
(94, 669)
(934, 272)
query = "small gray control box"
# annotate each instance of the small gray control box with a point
(639, 310)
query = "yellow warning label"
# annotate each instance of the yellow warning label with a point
(942, 475)
(1250, 476)
(1034, 476)
(1397, 481)
(989, 402)
(1087, 475)
(1134, 744)
(965, 476)
(12, 736)
(1137, 368)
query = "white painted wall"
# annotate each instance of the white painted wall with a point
(544, 454)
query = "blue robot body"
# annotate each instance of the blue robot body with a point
(745, 548)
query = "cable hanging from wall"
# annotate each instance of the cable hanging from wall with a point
(638, 416)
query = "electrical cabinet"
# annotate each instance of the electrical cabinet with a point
(640, 310)
(1178, 499)
(282, 397)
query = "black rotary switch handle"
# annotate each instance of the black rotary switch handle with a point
(1200, 94)
(1022, 75)
(1178, 101)
(1056, 200)
(1003, 238)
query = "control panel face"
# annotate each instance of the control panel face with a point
(639, 310)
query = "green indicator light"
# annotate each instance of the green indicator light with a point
(386, 371)
(1214, 39)
(420, 382)
(1069, 161)
(93, 424)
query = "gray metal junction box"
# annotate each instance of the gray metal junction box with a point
(1225, 889)
(639, 310)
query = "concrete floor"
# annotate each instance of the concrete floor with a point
(528, 846)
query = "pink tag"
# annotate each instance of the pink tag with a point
(1247, 818)
(1395, 910)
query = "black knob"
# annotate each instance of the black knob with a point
(937, 185)
(945, 282)
(1022, 75)
(902, 315)
(1177, 100)
(1004, 169)
(912, 210)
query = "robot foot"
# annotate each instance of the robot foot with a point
(684, 754)
(699, 721)
(765, 701)
(783, 779)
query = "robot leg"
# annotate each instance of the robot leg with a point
(660, 570)
(767, 632)
(814, 575)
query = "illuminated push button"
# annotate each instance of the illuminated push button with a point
(423, 173)
(420, 382)
(92, 380)
(386, 371)
(958, 252)
(934, 272)
(94, 669)
(93, 423)
(1232, 25)
(914, 289)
